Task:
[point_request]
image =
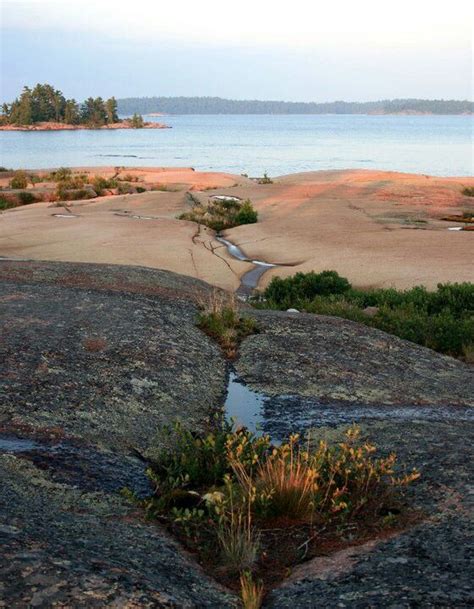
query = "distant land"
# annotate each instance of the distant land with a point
(218, 105)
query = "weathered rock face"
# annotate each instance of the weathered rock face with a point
(91, 368)
(336, 360)
(95, 358)
(63, 546)
(108, 367)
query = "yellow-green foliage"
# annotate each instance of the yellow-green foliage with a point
(251, 592)
(229, 486)
(19, 180)
(221, 214)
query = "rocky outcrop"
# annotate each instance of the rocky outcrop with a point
(336, 360)
(95, 358)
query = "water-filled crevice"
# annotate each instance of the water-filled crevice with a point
(281, 415)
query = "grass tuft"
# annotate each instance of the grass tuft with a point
(221, 320)
(251, 592)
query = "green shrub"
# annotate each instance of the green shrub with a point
(100, 184)
(305, 286)
(442, 320)
(246, 214)
(137, 121)
(26, 197)
(60, 175)
(468, 191)
(221, 214)
(20, 180)
(140, 189)
(5, 203)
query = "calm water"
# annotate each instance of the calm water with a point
(439, 145)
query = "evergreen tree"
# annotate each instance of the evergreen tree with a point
(137, 121)
(71, 112)
(111, 110)
(22, 108)
(93, 112)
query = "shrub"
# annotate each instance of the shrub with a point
(35, 179)
(6, 203)
(468, 191)
(246, 214)
(140, 189)
(60, 175)
(20, 180)
(221, 214)
(231, 490)
(26, 197)
(305, 286)
(125, 189)
(442, 320)
(137, 121)
(265, 179)
(100, 184)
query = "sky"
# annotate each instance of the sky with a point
(251, 49)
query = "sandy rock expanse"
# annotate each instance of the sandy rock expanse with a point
(376, 228)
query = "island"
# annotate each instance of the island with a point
(45, 108)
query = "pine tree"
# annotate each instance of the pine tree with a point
(137, 121)
(111, 110)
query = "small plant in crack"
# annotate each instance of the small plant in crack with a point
(220, 214)
(220, 319)
(251, 510)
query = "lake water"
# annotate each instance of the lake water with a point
(438, 145)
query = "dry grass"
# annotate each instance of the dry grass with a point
(221, 320)
(290, 480)
(238, 542)
(251, 592)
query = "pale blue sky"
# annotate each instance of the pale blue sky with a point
(248, 50)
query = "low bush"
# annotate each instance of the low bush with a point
(26, 198)
(442, 320)
(221, 214)
(6, 203)
(124, 188)
(61, 174)
(100, 184)
(232, 490)
(265, 179)
(19, 180)
(468, 191)
(305, 286)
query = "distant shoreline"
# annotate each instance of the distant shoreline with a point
(51, 126)
(217, 105)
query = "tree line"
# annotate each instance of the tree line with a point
(44, 103)
(217, 105)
